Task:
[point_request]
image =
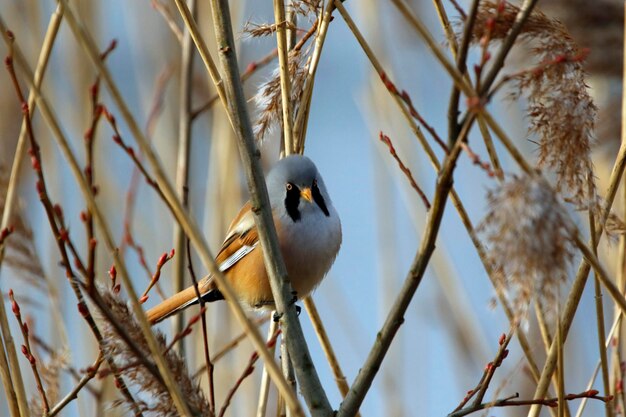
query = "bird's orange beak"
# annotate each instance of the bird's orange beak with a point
(306, 194)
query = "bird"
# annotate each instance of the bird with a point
(309, 237)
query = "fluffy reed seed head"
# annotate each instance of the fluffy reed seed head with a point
(560, 109)
(153, 396)
(528, 234)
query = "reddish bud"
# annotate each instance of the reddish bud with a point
(10, 35)
(502, 339)
(92, 243)
(35, 163)
(94, 89)
(40, 187)
(25, 351)
(619, 386)
(172, 253)
(143, 299)
(117, 288)
(251, 67)
(88, 135)
(592, 392)
(486, 56)
(505, 353)
(187, 331)
(194, 320)
(6, 232)
(15, 307)
(58, 211)
(8, 61)
(501, 6)
(97, 111)
(162, 260)
(95, 189)
(84, 216)
(63, 235)
(130, 151)
(113, 272)
(82, 309)
(25, 108)
(117, 139)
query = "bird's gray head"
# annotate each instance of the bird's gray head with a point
(295, 185)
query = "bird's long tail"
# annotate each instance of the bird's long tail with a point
(184, 299)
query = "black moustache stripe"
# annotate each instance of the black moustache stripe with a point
(319, 199)
(291, 202)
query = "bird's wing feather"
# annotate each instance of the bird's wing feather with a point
(241, 239)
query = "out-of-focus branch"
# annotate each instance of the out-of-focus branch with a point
(182, 163)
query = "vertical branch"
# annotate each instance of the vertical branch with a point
(264, 389)
(312, 389)
(288, 370)
(600, 317)
(285, 83)
(182, 163)
(302, 118)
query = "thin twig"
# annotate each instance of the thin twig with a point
(407, 172)
(246, 372)
(92, 371)
(205, 338)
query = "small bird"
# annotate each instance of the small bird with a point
(309, 236)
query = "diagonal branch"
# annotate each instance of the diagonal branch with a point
(312, 389)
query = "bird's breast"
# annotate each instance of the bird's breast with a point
(309, 247)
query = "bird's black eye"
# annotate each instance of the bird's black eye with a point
(289, 186)
(314, 183)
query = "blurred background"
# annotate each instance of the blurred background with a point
(451, 329)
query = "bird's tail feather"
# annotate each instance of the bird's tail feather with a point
(182, 300)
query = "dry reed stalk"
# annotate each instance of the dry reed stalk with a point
(264, 387)
(285, 83)
(327, 347)
(302, 117)
(182, 162)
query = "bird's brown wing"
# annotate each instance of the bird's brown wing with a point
(241, 239)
